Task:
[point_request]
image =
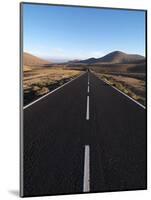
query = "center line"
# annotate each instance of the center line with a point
(88, 89)
(87, 112)
(86, 179)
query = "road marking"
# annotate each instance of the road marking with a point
(88, 89)
(123, 93)
(87, 112)
(51, 92)
(86, 178)
(88, 79)
(126, 96)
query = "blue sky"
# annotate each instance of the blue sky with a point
(54, 32)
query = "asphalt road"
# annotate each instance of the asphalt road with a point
(84, 137)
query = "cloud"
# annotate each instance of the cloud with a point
(97, 54)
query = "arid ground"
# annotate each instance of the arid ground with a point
(129, 76)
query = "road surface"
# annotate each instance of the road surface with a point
(84, 137)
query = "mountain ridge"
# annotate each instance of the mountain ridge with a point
(115, 57)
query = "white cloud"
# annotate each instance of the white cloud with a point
(97, 54)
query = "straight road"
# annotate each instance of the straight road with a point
(84, 137)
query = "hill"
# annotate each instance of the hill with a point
(116, 57)
(31, 60)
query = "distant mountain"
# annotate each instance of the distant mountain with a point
(73, 61)
(31, 60)
(89, 61)
(115, 57)
(120, 57)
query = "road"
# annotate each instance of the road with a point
(84, 137)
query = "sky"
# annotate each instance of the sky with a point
(67, 33)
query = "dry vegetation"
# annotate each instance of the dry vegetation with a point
(132, 85)
(41, 76)
(40, 80)
(120, 68)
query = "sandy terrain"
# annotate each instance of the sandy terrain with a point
(38, 81)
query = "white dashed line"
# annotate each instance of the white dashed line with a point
(87, 111)
(88, 89)
(86, 178)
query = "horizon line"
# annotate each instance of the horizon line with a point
(65, 59)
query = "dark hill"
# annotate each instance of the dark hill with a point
(115, 57)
